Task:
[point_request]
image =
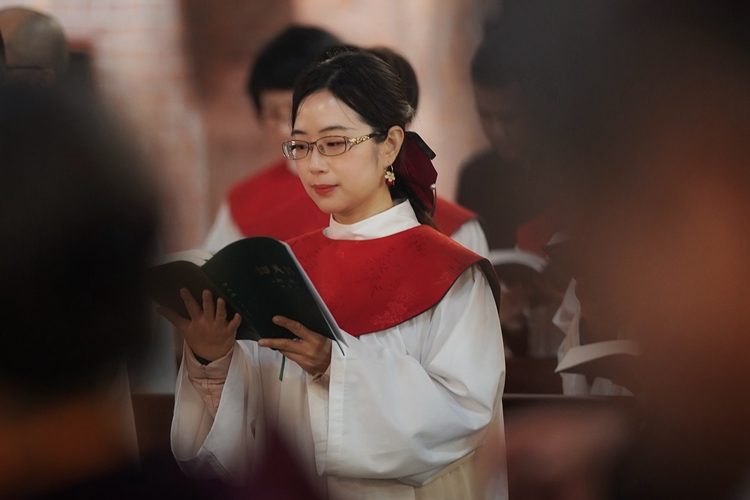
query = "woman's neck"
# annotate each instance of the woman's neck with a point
(362, 212)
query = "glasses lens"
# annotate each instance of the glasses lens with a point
(295, 150)
(332, 146)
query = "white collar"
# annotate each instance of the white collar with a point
(396, 219)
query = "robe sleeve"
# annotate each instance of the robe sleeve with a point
(471, 236)
(407, 409)
(223, 231)
(222, 446)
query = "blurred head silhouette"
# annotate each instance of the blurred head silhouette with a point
(77, 225)
(35, 45)
(642, 116)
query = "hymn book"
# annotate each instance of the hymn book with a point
(257, 277)
(610, 359)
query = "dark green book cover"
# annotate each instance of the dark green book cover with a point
(258, 277)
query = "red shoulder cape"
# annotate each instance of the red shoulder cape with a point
(372, 285)
(274, 203)
(450, 216)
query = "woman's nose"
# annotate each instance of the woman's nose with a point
(317, 161)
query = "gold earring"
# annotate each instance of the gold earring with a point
(390, 176)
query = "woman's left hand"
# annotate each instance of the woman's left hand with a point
(312, 352)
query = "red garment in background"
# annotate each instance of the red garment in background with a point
(274, 203)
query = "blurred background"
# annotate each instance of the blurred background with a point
(177, 71)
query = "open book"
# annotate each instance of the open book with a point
(610, 359)
(258, 278)
(513, 265)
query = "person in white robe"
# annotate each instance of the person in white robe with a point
(397, 413)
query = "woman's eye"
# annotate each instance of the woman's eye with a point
(334, 144)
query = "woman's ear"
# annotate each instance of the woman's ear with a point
(392, 145)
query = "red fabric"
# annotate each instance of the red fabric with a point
(535, 234)
(451, 216)
(274, 203)
(376, 284)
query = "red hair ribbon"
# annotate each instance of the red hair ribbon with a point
(417, 170)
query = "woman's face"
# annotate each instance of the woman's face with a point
(350, 186)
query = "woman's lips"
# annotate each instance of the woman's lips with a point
(323, 189)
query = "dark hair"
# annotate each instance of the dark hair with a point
(404, 70)
(284, 58)
(490, 66)
(77, 225)
(369, 86)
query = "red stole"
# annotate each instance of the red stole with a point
(372, 285)
(274, 203)
(450, 216)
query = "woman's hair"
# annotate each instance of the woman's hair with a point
(370, 87)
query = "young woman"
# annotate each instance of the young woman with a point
(399, 411)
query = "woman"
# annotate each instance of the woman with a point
(398, 411)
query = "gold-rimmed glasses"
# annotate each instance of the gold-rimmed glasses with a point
(332, 145)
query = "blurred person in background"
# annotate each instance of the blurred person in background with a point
(501, 184)
(78, 224)
(36, 49)
(647, 130)
(511, 194)
(273, 201)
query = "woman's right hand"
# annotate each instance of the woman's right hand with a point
(207, 332)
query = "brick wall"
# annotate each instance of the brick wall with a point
(139, 66)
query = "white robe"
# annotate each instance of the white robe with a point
(400, 416)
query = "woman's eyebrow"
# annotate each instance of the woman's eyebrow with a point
(334, 127)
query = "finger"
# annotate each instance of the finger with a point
(235, 323)
(194, 310)
(296, 328)
(284, 345)
(221, 309)
(208, 305)
(177, 321)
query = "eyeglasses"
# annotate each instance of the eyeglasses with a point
(333, 145)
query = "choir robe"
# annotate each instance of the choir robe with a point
(400, 415)
(274, 203)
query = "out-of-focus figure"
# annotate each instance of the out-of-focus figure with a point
(647, 114)
(36, 49)
(77, 224)
(273, 202)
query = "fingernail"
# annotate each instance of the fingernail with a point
(276, 319)
(262, 343)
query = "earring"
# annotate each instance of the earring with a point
(390, 176)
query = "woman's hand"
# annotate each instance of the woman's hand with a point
(312, 352)
(207, 332)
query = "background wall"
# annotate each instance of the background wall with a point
(138, 60)
(176, 71)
